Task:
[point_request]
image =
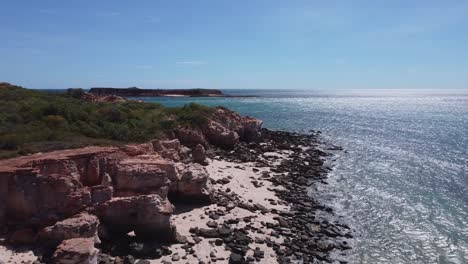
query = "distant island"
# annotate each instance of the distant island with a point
(138, 92)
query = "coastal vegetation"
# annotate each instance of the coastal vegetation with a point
(34, 121)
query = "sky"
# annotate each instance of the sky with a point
(257, 44)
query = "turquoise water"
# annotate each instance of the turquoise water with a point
(402, 181)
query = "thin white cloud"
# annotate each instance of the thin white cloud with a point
(191, 62)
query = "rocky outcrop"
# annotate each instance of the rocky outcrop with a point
(38, 200)
(137, 92)
(170, 144)
(147, 215)
(101, 194)
(199, 155)
(83, 225)
(190, 137)
(219, 135)
(76, 251)
(143, 174)
(247, 128)
(193, 184)
(225, 128)
(67, 197)
(39, 190)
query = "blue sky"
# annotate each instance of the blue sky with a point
(235, 44)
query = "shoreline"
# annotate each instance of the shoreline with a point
(137, 92)
(262, 212)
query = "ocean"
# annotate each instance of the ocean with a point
(401, 181)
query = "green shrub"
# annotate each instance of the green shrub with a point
(9, 142)
(55, 121)
(32, 121)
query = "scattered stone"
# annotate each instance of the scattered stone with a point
(175, 257)
(235, 258)
(212, 224)
(218, 242)
(208, 233)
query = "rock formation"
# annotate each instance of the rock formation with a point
(83, 225)
(76, 251)
(137, 92)
(199, 155)
(63, 198)
(147, 215)
(224, 129)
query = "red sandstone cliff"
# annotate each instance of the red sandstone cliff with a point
(56, 196)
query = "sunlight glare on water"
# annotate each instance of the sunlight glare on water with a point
(402, 180)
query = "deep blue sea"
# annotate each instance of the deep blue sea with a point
(402, 180)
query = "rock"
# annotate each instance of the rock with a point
(235, 258)
(101, 194)
(80, 226)
(136, 249)
(105, 259)
(223, 181)
(220, 136)
(170, 155)
(171, 144)
(224, 231)
(212, 224)
(251, 128)
(147, 215)
(282, 222)
(40, 189)
(76, 251)
(38, 199)
(193, 184)
(175, 257)
(138, 149)
(22, 237)
(180, 238)
(190, 137)
(218, 242)
(245, 127)
(106, 180)
(130, 259)
(184, 152)
(199, 156)
(230, 206)
(143, 174)
(214, 216)
(208, 233)
(259, 253)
